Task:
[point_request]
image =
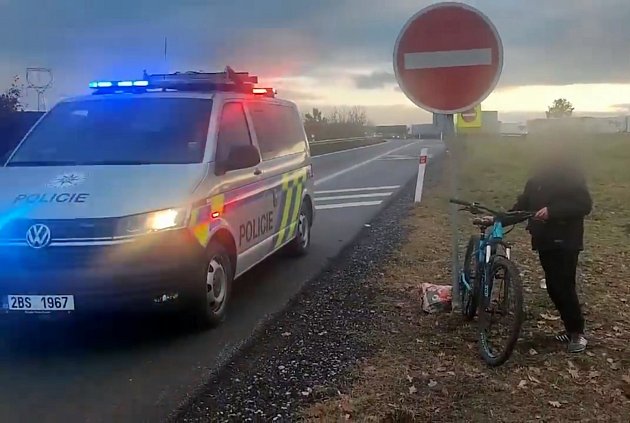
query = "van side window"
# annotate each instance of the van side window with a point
(233, 130)
(278, 128)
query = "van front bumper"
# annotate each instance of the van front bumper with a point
(153, 272)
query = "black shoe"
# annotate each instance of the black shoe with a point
(562, 337)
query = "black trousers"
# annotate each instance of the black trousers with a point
(560, 268)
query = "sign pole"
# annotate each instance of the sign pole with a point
(454, 188)
(446, 71)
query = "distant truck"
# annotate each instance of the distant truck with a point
(513, 129)
(392, 131)
(424, 131)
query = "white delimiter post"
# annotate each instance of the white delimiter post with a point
(422, 165)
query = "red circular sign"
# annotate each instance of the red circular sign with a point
(448, 58)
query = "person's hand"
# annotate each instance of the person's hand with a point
(542, 214)
(488, 220)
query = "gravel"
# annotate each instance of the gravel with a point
(308, 352)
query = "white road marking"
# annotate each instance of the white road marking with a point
(344, 205)
(332, 191)
(396, 157)
(448, 59)
(352, 149)
(347, 197)
(358, 165)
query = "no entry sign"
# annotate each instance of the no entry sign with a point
(470, 118)
(448, 58)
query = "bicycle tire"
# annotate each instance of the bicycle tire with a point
(470, 299)
(487, 354)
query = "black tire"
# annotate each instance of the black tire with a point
(210, 304)
(469, 300)
(300, 245)
(514, 288)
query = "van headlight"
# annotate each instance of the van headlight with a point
(153, 222)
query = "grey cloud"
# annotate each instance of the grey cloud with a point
(546, 42)
(374, 80)
(298, 96)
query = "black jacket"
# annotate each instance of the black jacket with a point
(563, 191)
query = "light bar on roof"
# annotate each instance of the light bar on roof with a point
(120, 84)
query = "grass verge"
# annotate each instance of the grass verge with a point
(319, 149)
(428, 367)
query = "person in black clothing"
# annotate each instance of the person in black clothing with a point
(559, 195)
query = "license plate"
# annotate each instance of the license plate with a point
(41, 303)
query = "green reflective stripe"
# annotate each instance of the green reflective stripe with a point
(292, 186)
(285, 214)
(297, 203)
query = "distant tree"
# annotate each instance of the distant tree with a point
(315, 116)
(10, 100)
(341, 122)
(561, 107)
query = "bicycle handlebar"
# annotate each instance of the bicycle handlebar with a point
(460, 202)
(517, 216)
(475, 206)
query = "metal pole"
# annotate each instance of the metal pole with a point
(454, 147)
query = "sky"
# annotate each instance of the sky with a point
(321, 53)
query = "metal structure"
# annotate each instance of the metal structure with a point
(229, 80)
(40, 80)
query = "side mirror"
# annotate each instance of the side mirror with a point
(240, 157)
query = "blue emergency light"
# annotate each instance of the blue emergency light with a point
(229, 80)
(120, 84)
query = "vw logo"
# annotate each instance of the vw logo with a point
(38, 236)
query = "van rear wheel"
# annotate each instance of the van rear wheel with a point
(214, 287)
(300, 244)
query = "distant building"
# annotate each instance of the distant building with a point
(580, 124)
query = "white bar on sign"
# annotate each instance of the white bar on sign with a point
(344, 205)
(348, 197)
(448, 59)
(421, 171)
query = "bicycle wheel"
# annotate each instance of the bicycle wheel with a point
(502, 301)
(470, 297)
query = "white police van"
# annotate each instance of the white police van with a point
(152, 193)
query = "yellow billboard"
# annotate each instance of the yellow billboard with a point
(470, 118)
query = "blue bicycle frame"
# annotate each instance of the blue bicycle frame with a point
(485, 250)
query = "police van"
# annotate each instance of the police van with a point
(152, 193)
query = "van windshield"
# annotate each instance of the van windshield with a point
(118, 131)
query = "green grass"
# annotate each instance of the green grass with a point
(437, 356)
(494, 170)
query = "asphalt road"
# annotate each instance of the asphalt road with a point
(141, 370)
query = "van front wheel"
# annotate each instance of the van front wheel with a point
(214, 287)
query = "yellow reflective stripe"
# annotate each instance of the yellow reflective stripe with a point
(202, 233)
(285, 213)
(296, 207)
(200, 225)
(217, 203)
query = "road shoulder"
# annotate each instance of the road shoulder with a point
(308, 352)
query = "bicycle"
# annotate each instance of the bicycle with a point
(486, 261)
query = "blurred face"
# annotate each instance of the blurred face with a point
(558, 152)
